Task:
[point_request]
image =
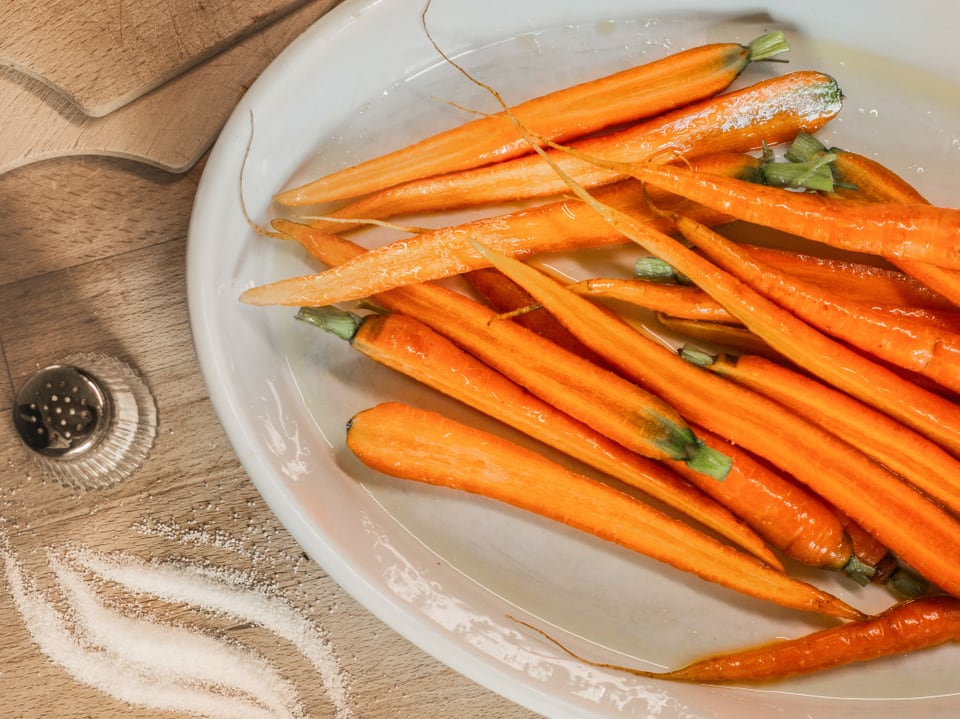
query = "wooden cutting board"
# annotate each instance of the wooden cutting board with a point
(106, 53)
(170, 127)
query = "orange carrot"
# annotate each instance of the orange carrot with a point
(682, 301)
(917, 232)
(626, 96)
(734, 338)
(900, 340)
(413, 349)
(788, 516)
(445, 252)
(836, 470)
(877, 183)
(909, 626)
(424, 446)
(908, 453)
(506, 296)
(770, 111)
(598, 397)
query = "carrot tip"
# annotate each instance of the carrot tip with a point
(710, 462)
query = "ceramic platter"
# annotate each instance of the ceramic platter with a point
(448, 570)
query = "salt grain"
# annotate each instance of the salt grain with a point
(145, 663)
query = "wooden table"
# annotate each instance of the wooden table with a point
(92, 261)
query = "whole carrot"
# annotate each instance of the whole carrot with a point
(770, 111)
(413, 349)
(627, 96)
(424, 446)
(791, 518)
(600, 398)
(909, 626)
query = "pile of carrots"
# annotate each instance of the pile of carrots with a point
(811, 412)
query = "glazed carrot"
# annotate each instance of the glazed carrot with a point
(909, 626)
(413, 349)
(734, 338)
(908, 453)
(423, 446)
(682, 301)
(854, 280)
(900, 340)
(770, 111)
(445, 252)
(917, 232)
(836, 471)
(627, 96)
(931, 415)
(598, 397)
(875, 182)
(506, 296)
(902, 582)
(788, 516)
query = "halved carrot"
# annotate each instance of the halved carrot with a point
(917, 232)
(600, 398)
(922, 534)
(424, 446)
(873, 181)
(446, 251)
(900, 340)
(908, 453)
(682, 301)
(791, 518)
(770, 111)
(413, 349)
(909, 626)
(629, 95)
(506, 296)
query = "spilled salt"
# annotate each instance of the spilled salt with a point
(225, 593)
(148, 664)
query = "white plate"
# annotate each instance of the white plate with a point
(444, 569)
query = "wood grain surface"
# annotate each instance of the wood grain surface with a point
(92, 260)
(170, 127)
(105, 54)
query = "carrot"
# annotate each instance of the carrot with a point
(627, 96)
(854, 280)
(413, 349)
(902, 582)
(918, 232)
(922, 534)
(908, 626)
(903, 341)
(506, 296)
(600, 398)
(445, 252)
(770, 111)
(735, 338)
(423, 446)
(792, 519)
(870, 180)
(681, 301)
(908, 453)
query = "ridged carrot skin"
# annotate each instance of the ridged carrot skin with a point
(900, 340)
(771, 111)
(916, 232)
(416, 351)
(921, 533)
(626, 96)
(909, 626)
(791, 518)
(932, 415)
(911, 455)
(877, 183)
(426, 447)
(598, 397)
